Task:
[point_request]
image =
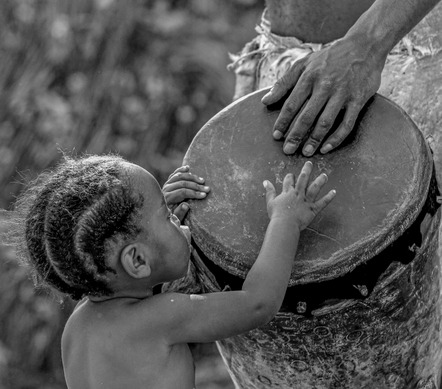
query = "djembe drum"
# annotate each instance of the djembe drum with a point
(363, 306)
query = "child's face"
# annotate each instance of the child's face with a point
(168, 239)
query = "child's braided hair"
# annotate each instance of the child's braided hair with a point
(70, 217)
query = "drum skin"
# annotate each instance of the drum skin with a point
(363, 308)
(381, 174)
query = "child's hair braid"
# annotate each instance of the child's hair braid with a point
(71, 217)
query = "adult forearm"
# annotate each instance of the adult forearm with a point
(387, 21)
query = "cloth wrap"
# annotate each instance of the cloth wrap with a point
(269, 56)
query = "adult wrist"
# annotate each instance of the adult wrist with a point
(371, 34)
(373, 49)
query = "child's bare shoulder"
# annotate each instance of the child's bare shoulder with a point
(80, 319)
(76, 316)
(137, 321)
(122, 314)
(90, 317)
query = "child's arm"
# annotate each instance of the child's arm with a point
(182, 185)
(208, 317)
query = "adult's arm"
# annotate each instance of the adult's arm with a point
(342, 76)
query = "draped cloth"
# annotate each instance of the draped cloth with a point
(269, 56)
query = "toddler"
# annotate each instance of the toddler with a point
(100, 229)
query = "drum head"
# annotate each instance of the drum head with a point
(381, 174)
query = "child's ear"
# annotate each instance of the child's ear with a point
(135, 261)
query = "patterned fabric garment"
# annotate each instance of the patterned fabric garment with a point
(269, 56)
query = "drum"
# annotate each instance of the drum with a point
(363, 306)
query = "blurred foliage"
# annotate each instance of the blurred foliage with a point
(91, 76)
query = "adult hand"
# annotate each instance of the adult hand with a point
(342, 76)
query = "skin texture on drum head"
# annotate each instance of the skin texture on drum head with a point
(381, 174)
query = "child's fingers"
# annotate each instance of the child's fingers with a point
(325, 200)
(170, 187)
(302, 181)
(181, 169)
(179, 195)
(181, 210)
(270, 191)
(288, 182)
(184, 176)
(315, 187)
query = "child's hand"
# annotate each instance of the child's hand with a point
(182, 185)
(298, 202)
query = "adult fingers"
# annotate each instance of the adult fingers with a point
(323, 124)
(302, 181)
(181, 210)
(315, 187)
(351, 114)
(270, 191)
(292, 107)
(284, 84)
(305, 121)
(324, 201)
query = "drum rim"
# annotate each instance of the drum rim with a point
(353, 255)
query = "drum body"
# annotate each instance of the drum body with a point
(389, 340)
(363, 306)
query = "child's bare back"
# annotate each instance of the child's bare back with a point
(111, 345)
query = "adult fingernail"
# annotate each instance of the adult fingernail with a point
(201, 179)
(308, 150)
(290, 148)
(277, 135)
(202, 194)
(325, 149)
(185, 207)
(206, 188)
